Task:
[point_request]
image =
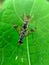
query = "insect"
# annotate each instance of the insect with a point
(24, 30)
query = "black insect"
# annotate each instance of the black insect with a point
(24, 29)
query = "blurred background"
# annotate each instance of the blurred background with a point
(1, 2)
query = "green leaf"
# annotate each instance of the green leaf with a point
(35, 49)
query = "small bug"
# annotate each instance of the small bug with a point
(24, 29)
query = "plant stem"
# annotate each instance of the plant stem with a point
(28, 54)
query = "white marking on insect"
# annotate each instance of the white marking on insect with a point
(16, 57)
(22, 60)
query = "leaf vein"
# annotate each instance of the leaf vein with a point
(16, 13)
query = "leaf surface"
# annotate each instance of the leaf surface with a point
(35, 49)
